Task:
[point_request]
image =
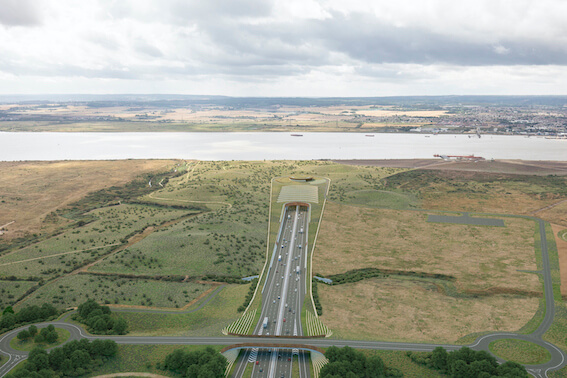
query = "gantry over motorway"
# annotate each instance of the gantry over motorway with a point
(283, 294)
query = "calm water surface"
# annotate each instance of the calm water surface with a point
(258, 146)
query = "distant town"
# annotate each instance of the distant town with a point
(476, 115)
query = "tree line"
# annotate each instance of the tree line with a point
(29, 314)
(72, 359)
(468, 363)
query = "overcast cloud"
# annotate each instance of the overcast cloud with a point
(284, 47)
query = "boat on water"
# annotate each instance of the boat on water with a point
(297, 135)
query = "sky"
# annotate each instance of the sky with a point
(299, 48)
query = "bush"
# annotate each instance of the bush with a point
(99, 320)
(29, 314)
(466, 362)
(23, 335)
(199, 363)
(249, 296)
(348, 362)
(73, 359)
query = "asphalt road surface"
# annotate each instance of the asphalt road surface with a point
(282, 298)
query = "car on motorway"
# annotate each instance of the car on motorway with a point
(284, 320)
(274, 301)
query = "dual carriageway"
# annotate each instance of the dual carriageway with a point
(283, 294)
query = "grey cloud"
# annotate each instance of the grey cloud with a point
(147, 49)
(213, 10)
(19, 13)
(103, 40)
(366, 39)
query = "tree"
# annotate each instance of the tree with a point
(32, 330)
(87, 307)
(8, 320)
(23, 335)
(52, 337)
(120, 326)
(439, 359)
(8, 310)
(374, 367)
(56, 358)
(511, 369)
(460, 369)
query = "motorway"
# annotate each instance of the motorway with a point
(282, 299)
(282, 366)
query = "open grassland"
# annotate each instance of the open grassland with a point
(143, 359)
(478, 257)
(31, 191)
(65, 252)
(415, 311)
(556, 214)
(11, 291)
(482, 191)
(520, 351)
(209, 321)
(73, 290)
(210, 244)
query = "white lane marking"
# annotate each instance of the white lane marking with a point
(286, 273)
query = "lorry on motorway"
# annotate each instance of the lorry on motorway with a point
(297, 270)
(265, 323)
(280, 258)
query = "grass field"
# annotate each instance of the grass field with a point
(399, 361)
(143, 359)
(408, 310)
(65, 252)
(478, 257)
(28, 345)
(10, 291)
(30, 191)
(484, 192)
(520, 351)
(197, 246)
(75, 289)
(209, 321)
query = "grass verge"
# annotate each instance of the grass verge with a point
(142, 358)
(209, 321)
(521, 351)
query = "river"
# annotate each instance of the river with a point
(16, 146)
